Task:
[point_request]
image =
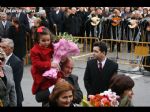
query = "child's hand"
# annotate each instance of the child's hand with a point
(61, 80)
(55, 65)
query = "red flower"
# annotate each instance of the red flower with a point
(100, 100)
(40, 29)
(105, 102)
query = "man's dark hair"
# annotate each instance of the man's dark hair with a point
(102, 46)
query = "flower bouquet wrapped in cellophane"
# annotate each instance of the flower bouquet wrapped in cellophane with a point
(105, 99)
(64, 47)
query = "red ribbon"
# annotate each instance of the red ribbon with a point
(40, 29)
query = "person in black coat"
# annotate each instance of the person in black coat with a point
(57, 19)
(72, 22)
(99, 70)
(44, 19)
(66, 69)
(88, 27)
(17, 33)
(82, 14)
(146, 30)
(24, 20)
(67, 20)
(17, 67)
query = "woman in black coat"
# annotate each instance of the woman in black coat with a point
(17, 33)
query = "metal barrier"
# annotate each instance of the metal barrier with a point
(131, 53)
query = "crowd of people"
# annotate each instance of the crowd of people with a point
(119, 23)
(40, 24)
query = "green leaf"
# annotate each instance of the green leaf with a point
(85, 103)
(68, 37)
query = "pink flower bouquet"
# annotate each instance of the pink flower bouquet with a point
(63, 48)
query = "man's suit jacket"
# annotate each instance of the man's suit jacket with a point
(4, 31)
(73, 79)
(96, 81)
(17, 67)
(10, 98)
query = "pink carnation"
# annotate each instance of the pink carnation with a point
(53, 73)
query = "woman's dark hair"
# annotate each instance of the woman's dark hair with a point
(120, 82)
(16, 20)
(102, 46)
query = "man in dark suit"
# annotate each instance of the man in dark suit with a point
(57, 18)
(66, 69)
(4, 25)
(99, 70)
(16, 65)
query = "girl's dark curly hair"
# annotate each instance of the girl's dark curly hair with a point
(42, 31)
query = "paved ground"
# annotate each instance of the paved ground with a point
(141, 89)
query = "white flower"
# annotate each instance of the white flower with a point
(114, 103)
(107, 93)
(112, 97)
(102, 94)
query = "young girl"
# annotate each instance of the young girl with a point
(41, 57)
